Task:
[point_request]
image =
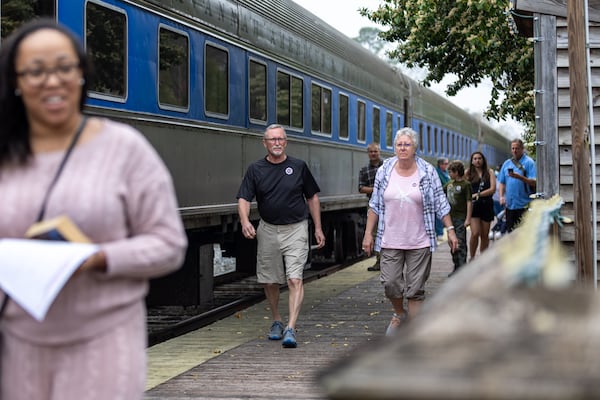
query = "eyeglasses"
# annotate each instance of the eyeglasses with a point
(277, 139)
(38, 76)
(405, 145)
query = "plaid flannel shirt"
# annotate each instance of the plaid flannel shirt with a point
(366, 176)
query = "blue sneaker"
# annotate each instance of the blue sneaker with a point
(289, 338)
(276, 332)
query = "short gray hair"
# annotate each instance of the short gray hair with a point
(406, 131)
(275, 126)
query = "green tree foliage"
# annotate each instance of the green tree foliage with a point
(471, 39)
(15, 12)
(370, 39)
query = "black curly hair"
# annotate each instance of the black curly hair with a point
(14, 129)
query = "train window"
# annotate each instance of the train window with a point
(453, 141)
(442, 142)
(457, 150)
(421, 144)
(283, 98)
(343, 109)
(360, 122)
(321, 109)
(216, 80)
(376, 125)
(316, 108)
(428, 149)
(257, 90)
(435, 140)
(406, 113)
(106, 43)
(388, 129)
(326, 126)
(173, 70)
(297, 103)
(289, 100)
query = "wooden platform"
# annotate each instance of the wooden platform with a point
(232, 359)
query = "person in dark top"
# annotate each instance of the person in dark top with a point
(483, 187)
(366, 180)
(458, 191)
(442, 171)
(286, 192)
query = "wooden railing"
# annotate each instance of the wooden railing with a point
(509, 325)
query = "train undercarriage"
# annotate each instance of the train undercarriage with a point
(193, 285)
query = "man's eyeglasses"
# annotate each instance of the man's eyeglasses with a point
(277, 139)
(38, 76)
(405, 145)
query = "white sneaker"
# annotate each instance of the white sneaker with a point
(497, 235)
(491, 235)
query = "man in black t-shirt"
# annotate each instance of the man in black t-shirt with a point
(286, 192)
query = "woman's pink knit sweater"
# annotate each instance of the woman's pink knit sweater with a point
(119, 193)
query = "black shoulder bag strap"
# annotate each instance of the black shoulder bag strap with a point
(518, 165)
(50, 187)
(522, 169)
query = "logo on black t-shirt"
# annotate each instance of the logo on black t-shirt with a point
(289, 171)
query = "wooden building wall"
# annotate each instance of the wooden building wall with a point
(553, 114)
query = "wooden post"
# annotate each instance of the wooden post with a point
(546, 106)
(581, 156)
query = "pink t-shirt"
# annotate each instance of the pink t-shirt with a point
(404, 222)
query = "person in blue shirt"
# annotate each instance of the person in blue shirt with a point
(517, 180)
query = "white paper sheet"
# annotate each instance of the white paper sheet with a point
(33, 272)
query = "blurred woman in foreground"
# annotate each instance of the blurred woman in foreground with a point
(114, 187)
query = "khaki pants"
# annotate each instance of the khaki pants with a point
(404, 272)
(277, 243)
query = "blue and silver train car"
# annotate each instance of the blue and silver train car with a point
(203, 78)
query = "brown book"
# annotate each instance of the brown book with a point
(58, 228)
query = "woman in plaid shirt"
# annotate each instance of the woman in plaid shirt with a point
(407, 197)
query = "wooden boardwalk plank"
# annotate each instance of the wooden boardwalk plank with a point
(341, 313)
